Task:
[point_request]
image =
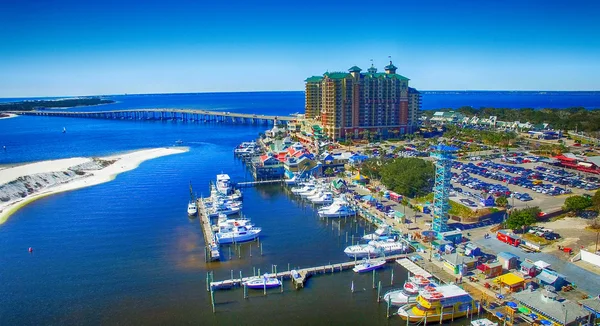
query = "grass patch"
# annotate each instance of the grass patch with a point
(456, 209)
(535, 239)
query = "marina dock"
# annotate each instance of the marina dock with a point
(211, 247)
(247, 184)
(305, 273)
(413, 268)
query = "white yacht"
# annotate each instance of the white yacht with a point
(313, 192)
(389, 247)
(381, 232)
(291, 181)
(224, 208)
(303, 188)
(192, 209)
(361, 251)
(337, 209)
(224, 184)
(368, 266)
(483, 322)
(240, 230)
(322, 198)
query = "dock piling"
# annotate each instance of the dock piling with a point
(261, 253)
(373, 278)
(378, 291)
(392, 277)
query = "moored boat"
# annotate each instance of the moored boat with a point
(483, 322)
(192, 209)
(234, 231)
(368, 266)
(361, 251)
(337, 209)
(263, 282)
(409, 291)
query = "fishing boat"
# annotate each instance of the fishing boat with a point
(337, 209)
(310, 193)
(237, 230)
(263, 282)
(303, 188)
(368, 266)
(291, 181)
(179, 142)
(224, 184)
(192, 209)
(64, 130)
(438, 304)
(361, 251)
(417, 283)
(322, 198)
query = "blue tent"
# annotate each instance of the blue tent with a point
(368, 198)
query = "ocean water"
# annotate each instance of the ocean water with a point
(125, 252)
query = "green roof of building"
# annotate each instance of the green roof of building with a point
(385, 75)
(314, 79)
(354, 69)
(336, 75)
(390, 67)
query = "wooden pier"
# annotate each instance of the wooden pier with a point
(304, 273)
(211, 249)
(166, 114)
(248, 184)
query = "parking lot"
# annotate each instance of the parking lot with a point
(525, 184)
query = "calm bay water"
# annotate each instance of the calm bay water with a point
(125, 252)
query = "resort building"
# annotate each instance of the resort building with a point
(365, 105)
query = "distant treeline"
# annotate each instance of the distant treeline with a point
(565, 119)
(62, 103)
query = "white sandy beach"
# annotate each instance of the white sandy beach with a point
(10, 115)
(86, 177)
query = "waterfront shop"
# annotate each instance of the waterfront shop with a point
(458, 264)
(490, 270)
(509, 261)
(552, 279)
(511, 282)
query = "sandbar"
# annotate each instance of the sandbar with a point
(78, 172)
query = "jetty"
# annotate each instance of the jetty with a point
(247, 184)
(166, 114)
(305, 273)
(413, 268)
(211, 246)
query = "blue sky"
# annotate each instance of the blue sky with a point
(57, 48)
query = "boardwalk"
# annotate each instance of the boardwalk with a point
(211, 247)
(256, 183)
(188, 115)
(307, 272)
(413, 268)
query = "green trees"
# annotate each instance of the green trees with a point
(520, 218)
(407, 176)
(501, 201)
(64, 103)
(596, 200)
(577, 203)
(328, 172)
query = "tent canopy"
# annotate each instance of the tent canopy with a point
(360, 177)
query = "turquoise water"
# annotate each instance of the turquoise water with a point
(125, 252)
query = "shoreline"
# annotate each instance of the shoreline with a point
(117, 164)
(9, 116)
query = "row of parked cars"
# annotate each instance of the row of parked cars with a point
(465, 179)
(547, 234)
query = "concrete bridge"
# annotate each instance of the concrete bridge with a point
(191, 115)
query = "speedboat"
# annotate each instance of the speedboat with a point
(263, 282)
(368, 266)
(337, 209)
(361, 251)
(323, 198)
(223, 209)
(192, 209)
(233, 231)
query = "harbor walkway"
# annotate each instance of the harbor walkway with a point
(307, 272)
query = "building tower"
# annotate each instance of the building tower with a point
(441, 190)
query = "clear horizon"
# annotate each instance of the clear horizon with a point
(52, 48)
